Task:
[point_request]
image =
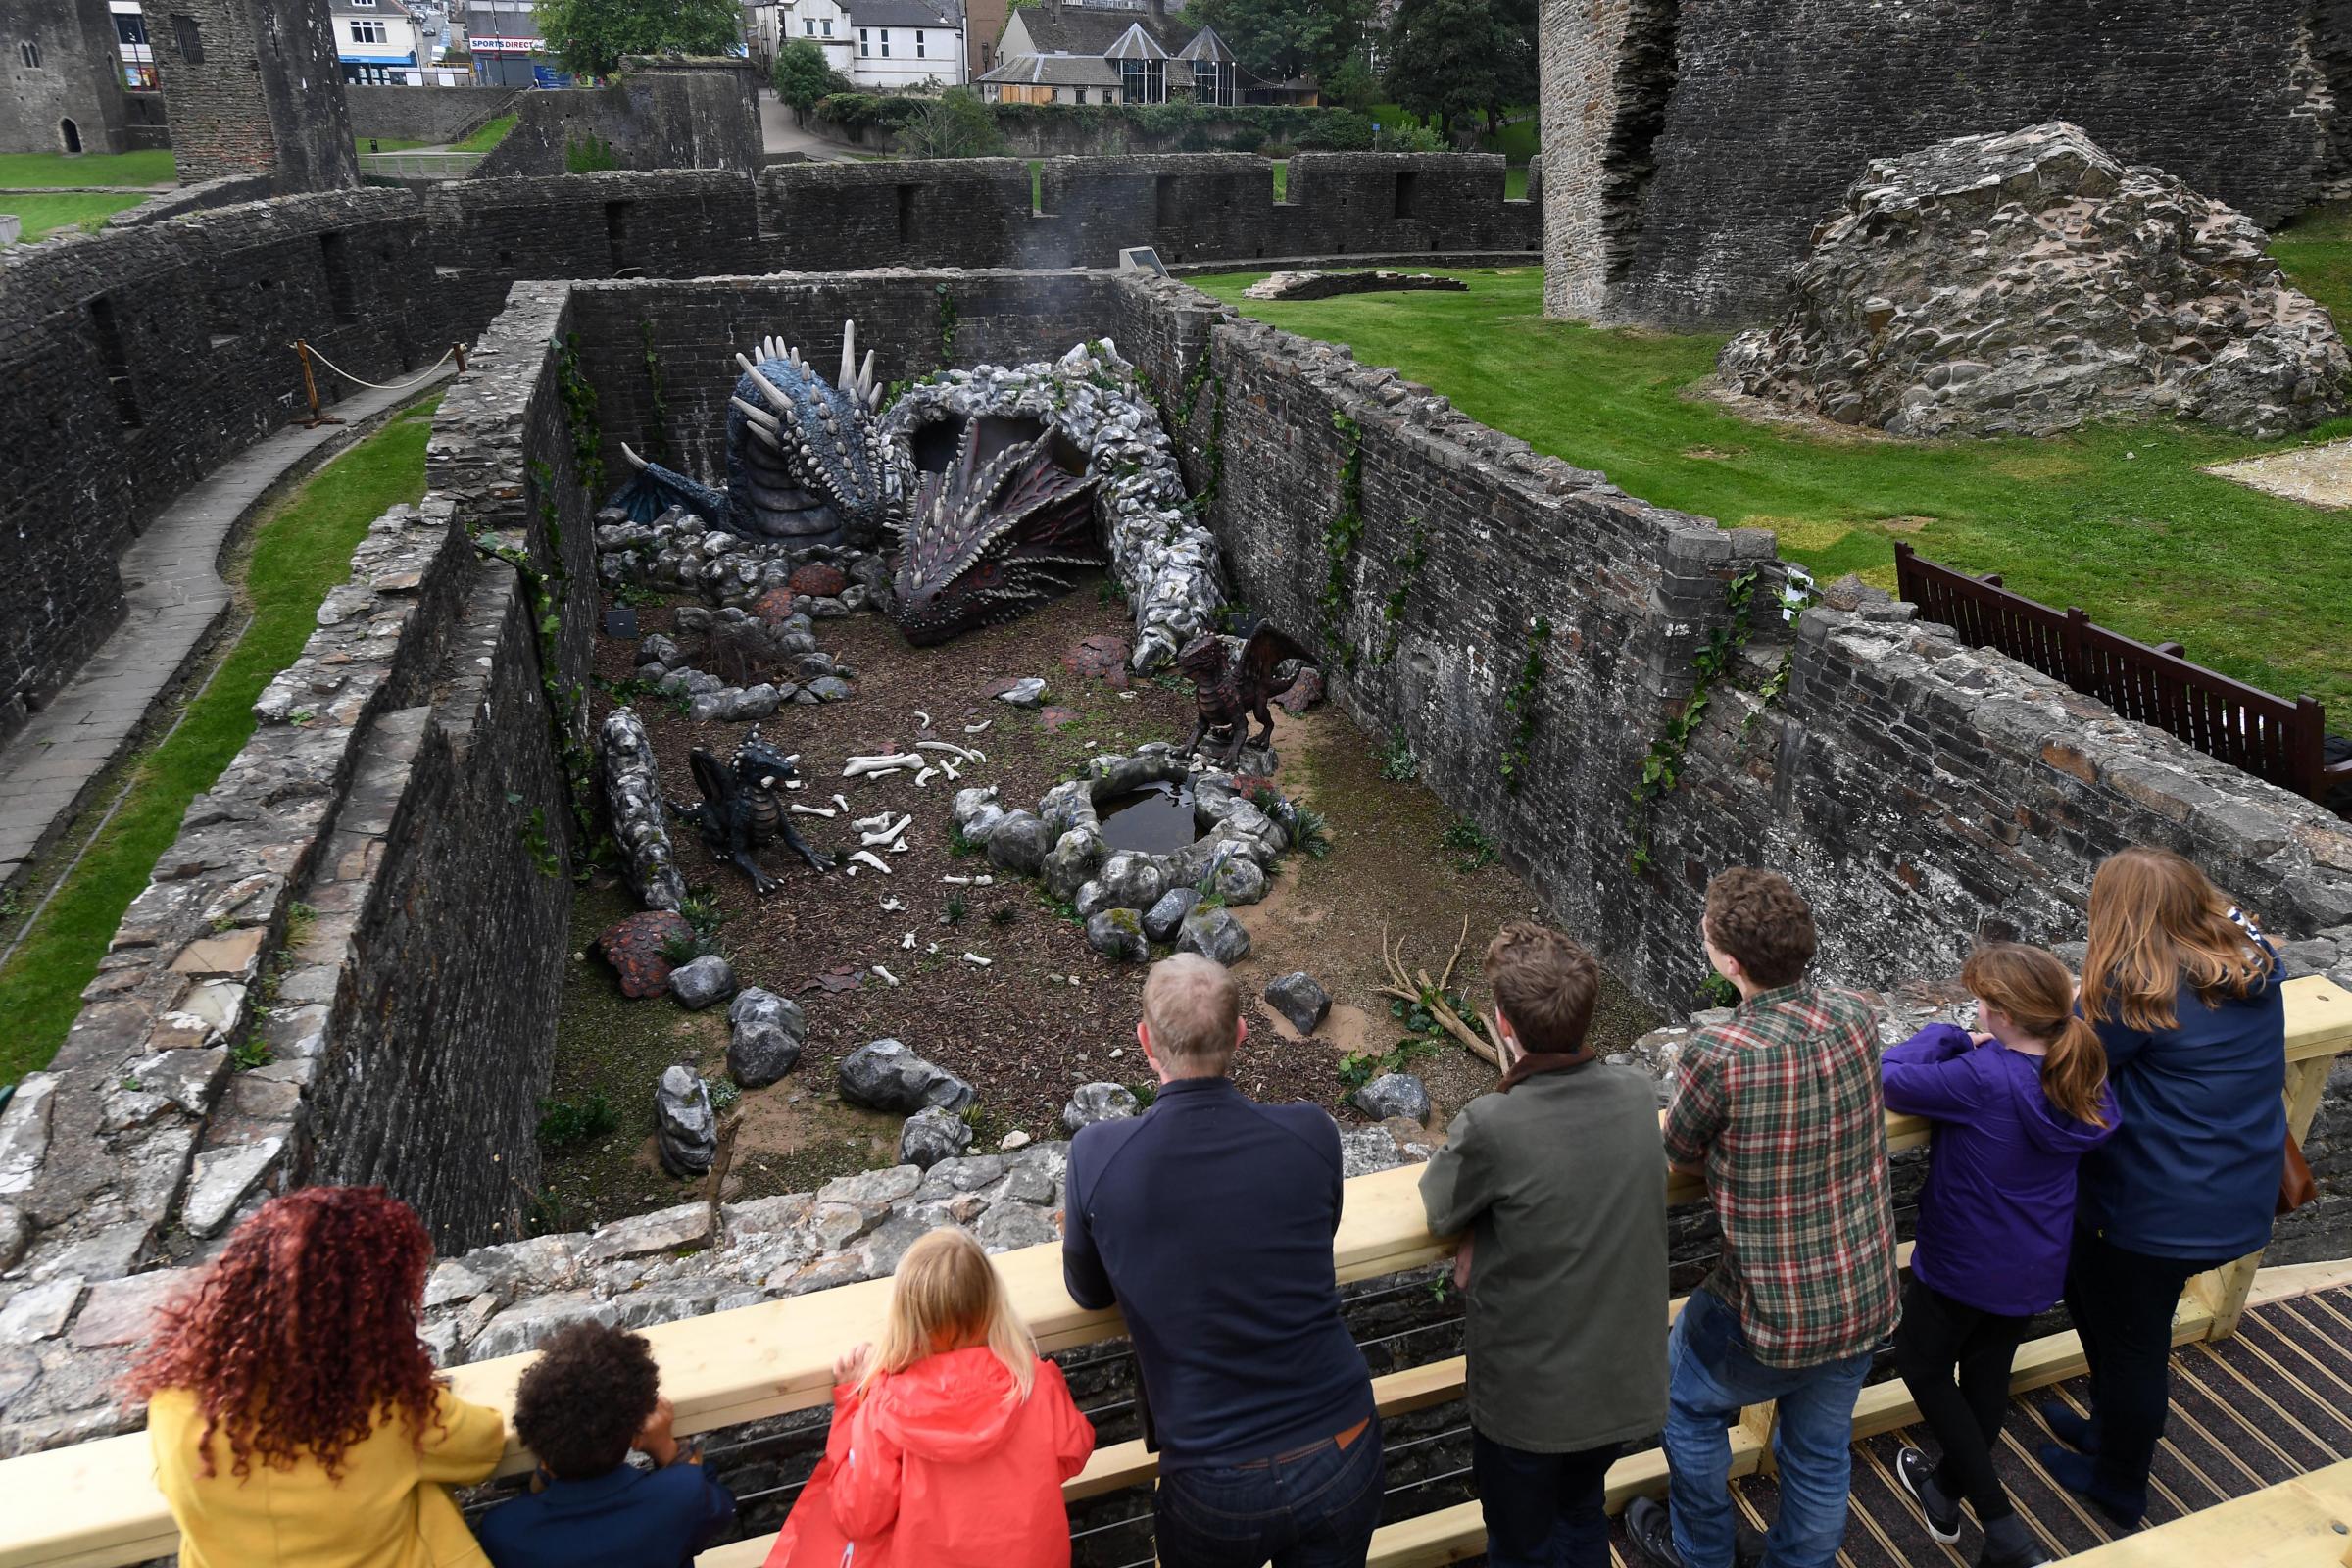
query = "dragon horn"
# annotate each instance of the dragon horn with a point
(848, 378)
(635, 461)
(762, 433)
(866, 374)
(767, 388)
(758, 415)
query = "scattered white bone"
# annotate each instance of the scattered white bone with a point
(958, 881)
(889, 979)
(880, 761)
(944, 745)
(898, 848)
(975, 729)
(907, 942)
(930, 948)
(889, 829)
(842, 802)
(976, 754)
(869, 858)
(975, 960)
(881, 773)
(793, 784)
(850, 871)
(826, 812)
(948, 769)
(922, 780)
(873, 823)
(984, 881)
(925, 717)
(892, 905)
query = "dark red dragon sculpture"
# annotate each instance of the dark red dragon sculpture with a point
(996, 533)
(1229, 689)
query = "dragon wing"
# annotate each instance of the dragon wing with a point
(1266, 651)
(710, 776)
(652, 489)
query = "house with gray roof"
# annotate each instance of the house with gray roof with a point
(1063, 51)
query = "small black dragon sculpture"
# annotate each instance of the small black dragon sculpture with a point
(997, 532)
(1228, 690)
(743, 809)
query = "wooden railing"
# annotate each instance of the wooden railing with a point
(2303, 1523)
(2264, 734)
(95, 1504)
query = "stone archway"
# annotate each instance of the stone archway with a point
(71, 135)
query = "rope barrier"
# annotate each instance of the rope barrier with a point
(380, 386)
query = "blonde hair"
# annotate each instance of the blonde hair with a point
(1194, 1012)
(2034, 990)
(947, 1295)
(2156, 925)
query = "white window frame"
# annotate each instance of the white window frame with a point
(886, 43)
(865, 49)
(918, 43)
(367, 29)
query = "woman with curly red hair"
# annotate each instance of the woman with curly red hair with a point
(293, 1412)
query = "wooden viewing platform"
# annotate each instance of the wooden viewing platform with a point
(2260, 1403)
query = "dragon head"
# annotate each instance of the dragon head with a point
(805, 461)
(1204, 658)
(997, 532)
(761, 765)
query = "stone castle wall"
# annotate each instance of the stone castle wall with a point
(135, 361)
(662, 114)
(1691, 146)
(426, 114)
(253, 87)
(79, 78)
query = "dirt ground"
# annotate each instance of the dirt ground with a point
(1046, 1013)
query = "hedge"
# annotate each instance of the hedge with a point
(1193, 127)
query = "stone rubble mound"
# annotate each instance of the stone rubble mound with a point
(2026, 283)
(1314, 285)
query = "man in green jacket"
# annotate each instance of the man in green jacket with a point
(1555, 1180)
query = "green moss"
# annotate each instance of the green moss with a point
(301, 548)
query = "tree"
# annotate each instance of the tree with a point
(1453, 59)
(1287, 39)
(801, 78)
(591, 35)
(956, 125)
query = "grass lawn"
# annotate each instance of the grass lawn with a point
(43, 216)
(2116, 519)
(481, 141)
(298, 551)
(149, 168)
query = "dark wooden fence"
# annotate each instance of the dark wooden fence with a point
(2269, 736)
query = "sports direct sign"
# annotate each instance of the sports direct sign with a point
(505, 46)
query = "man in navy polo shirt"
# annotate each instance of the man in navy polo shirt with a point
(1209, 1221)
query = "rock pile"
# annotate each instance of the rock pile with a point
(680, 553)
(2024, 283)
(1313, 285)
(633, 793)
(780, 659)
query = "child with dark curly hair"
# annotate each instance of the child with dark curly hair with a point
(593, 1395)
(293, 1413)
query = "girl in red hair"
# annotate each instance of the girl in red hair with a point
(294, 1415)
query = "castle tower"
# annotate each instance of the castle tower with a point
(61, 79)
(253, 87)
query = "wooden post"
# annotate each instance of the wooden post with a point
(2225, 1289)
(459, 350)
(1760, 1419)
(309, 389)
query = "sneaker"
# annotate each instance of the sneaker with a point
(1918, 1477)
(1651, 1535)
(2070, 1426)
(2008, 1543)
(2076, 1474)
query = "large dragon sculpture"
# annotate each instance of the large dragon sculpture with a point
(992, 507)
(805, 464)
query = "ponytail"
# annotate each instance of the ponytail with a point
(2031, 987)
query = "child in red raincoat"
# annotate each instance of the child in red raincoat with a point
(950, 1441)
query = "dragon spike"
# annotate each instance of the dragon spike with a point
(635, 461)
(767, 388)
(848, 378)
(866, 374)
(767, 437)
(758, 415)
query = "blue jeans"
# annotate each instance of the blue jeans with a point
(1711, 1376)
(1542, 1510)
(1314, 1507)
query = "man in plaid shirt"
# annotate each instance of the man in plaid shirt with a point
(1780, 1109)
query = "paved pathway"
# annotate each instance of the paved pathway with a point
(781, 135)
(2320, 476)
(175, 595)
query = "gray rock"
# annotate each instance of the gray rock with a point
(658, 648)
(753, 702)
(1099, 1102)
(885, 1075)
(768, 1032)
(633, 796)
(40, 1312)
(1131, 880)
(712, 708)
(707, 979)
(685, 1127)
(932, 1135)
(1162, 920)
(1238, 881)
(523, 1326)
(1010, 1225)
(15, 1235)
(1118, 934)
(1074, 859)
(828, 689)
(1214, 933)
(219, 1180)
(1298, 998)
(664, 1229)
(1027, 692)
(1019, 843)
(1393, 1094)
(976, 812)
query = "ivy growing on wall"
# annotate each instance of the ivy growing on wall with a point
(1519, 707)
(1795, 602)
(1205, 376)
(1662, 767)
(946, 325)
(1408, 572)
(657, 403)
(579, 413)
(1339, 537)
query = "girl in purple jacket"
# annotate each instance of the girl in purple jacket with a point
(2016, 1108)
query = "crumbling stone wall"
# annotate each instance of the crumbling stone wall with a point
(253, 87)
(1692, 145)
(137, 359)
(664, 113)
(426, 114)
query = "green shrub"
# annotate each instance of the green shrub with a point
(1343, 131)
(565, 1124)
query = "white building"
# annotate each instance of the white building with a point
(380, 46)
(881, 45)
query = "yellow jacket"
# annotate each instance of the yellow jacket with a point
(390, 1507)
